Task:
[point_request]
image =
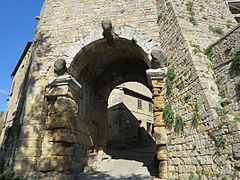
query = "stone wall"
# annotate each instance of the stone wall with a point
(192, 152)
(18, 91)
(226, 69)
(182, 30)
(12, 119)
(227, 75)
(54, 35)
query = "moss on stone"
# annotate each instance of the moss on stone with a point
(9, 175)
(216, 30)
(237, 57)
(187, 97)
(193, 20)
(195, 117)
(179, 124)
(168, 116)
(222, 111)
(209, 52)
(197, 49)
(160, 17)
(223, 91)
(169, 80)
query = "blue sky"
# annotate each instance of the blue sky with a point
(17, 24)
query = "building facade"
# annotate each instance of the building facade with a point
(130, 116)
(234, 7)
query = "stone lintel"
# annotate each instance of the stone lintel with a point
(155, 74)
(65, 80)
(160, 134)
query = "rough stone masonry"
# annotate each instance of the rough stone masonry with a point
(56, 117)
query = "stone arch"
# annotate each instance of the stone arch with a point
(94, 69)
(124, 32)
(99, 67)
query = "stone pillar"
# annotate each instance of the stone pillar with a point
(60, 140)
(156, 80)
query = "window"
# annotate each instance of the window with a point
(150, 107)
(149, 127)
(139, 103)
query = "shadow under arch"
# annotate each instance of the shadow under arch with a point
(128, 139)
(98, 68)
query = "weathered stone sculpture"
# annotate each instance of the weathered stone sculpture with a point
(60, 67)
(108, 31)
(158, 59)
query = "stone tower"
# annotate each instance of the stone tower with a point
(56, 117)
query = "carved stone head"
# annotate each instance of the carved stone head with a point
(107, 24)
(60, 67)
(158, 59)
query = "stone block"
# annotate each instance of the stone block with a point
(175, 161)
(158, 121)
(35, 110)
(158, 98)
(236, 136)
(187, 160)
(59, 91)
(47, 164)
(62, 135)
(234, 127)
(187, 169)
(194, 161)
(163, 169)
(63, 104)
(226, 169)
(156, 92)
(160, 134)
(64, 163)
(157, 84)
(158, 106)
(236, 150)
(31, 152)
(205, 160)
(58, 163)
(24, 165)
(64, 119)
(62, 149)
(162, 154)
(237, 164)
(157, 101)
(157, 113)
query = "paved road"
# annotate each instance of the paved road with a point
(125, 165)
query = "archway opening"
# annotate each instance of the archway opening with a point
(130, 117)
(130, 127)
(99, 68)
